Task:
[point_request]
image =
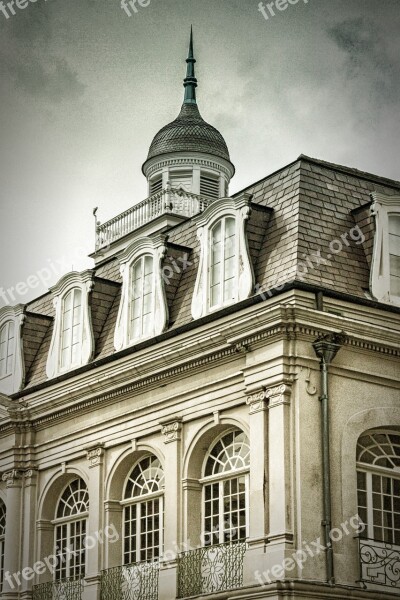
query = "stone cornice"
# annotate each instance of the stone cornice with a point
(214, 342)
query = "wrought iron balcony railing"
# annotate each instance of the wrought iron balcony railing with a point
(65, 589)
(137, 581)
(379, 563)
(211, 569)
(169, 200)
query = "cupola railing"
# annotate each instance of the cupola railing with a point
(167, 201)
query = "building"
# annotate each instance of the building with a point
(213, 409)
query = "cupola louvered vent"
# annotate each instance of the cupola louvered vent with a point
(181, 179)
(155, 186)
(209, 186)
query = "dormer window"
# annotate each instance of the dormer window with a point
(11, 351)
(223, 263)
(225, 273)
(72, 343)
(143, 310)
(385, 268)
(141, 297)
(394, 254)
(7, 348)
(71, 331)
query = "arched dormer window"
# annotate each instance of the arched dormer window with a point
(2, 540)
(225, 273)
(72, 342)
(7, 348)
(70, 531)
(141, 302)
(11, 351)
(225, 489)
(385, 267)
(143, 309)
(378, 485)
(143, 512)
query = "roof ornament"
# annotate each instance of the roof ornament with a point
(190, 81)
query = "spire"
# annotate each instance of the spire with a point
(190, 81)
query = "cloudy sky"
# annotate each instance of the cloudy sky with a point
(84, 88)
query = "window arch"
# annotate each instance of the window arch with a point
(7, 348)
(223, 263)
(143, 512)
(71, 329)
(141, 307)
(378, 485)
(70, 533)
(2, 540)
(225, 489)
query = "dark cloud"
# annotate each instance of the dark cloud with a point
(367, 56)
(29, 58)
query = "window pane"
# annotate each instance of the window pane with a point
(142, 298)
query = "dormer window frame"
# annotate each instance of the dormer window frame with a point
(71, 284)
(239, 209)
(382, 209)
(12, 380)
(141, 248)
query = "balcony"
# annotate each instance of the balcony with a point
(65, 589)
(137, 581)
(211, 569)
(379, 563)
(167, 201)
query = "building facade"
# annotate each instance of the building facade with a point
(213, 409)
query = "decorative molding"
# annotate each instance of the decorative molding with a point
(257, 402)
(12, 478)
(156, 248)
(190, 484)
(383, 206)
(84, 282)
(278, 395)
(310, 388)
(95, 456)
(171, 430)
(189, 160)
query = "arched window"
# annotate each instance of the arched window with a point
(225, 488)
(70, 534)
(2, 540)
(71, 329)
(142, 298)
(378, 485)
(223, 280)
(7, 348)
(143, 512)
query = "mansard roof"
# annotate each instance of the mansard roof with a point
(300, 215)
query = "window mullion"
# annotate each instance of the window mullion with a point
(221, 513)
(370, 513)
(138, 529)
(141, 303)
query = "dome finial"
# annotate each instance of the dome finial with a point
(190, 81)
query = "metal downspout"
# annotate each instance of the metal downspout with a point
(326, 349)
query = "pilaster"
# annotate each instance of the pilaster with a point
(12, 547)
(95, 525)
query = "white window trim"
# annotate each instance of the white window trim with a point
(239, 209)
(383, 206)
(155, 247)
(84, 282)
(13, 382)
